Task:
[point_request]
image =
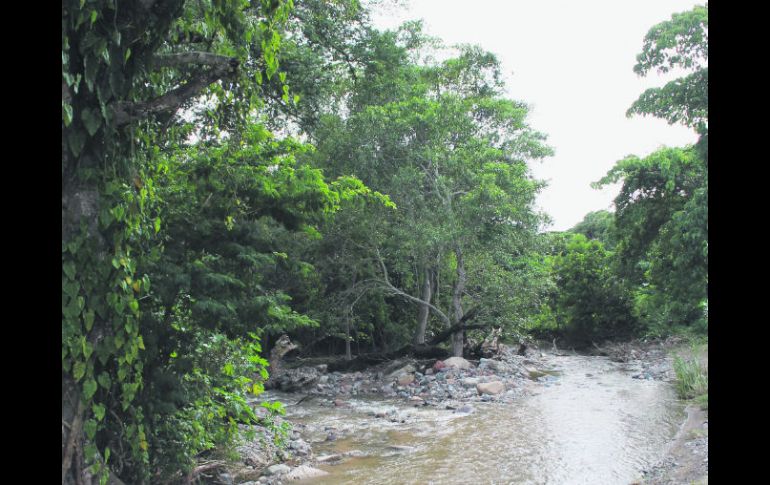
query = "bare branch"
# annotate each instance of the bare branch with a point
(460, 325)
(401, 293)
(171, 101)
(193, 57)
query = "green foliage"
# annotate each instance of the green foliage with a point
(591, 302)
(217, 378)
(124, 74)
(450, 151)
(599, 225)
(691, 378)
(680, 43)
(661, 217)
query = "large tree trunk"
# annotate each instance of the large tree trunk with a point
(80, 203)
(424, 311)
(457, 307)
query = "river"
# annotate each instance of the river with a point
(589, 423)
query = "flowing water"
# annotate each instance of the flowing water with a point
(591, 423)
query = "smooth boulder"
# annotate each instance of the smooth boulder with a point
(458, 363)
(493, 388)
(305, 471)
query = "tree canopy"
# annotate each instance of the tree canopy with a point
(236, 170)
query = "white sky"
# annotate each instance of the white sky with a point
(572, 62)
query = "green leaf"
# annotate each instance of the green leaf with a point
(157, 225)
(90, 428)
(88, 348)
(76, 140)
(104, 380)
(69, 269)
(88, 319)
(78, 370)
(92, 120)
(71, 289)
(98, 411)
(89, 388)
(66, 113)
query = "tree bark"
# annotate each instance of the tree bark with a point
(458, 327)
(459, 289)
(126, 112)
(73, 438)
(348, 355)
(424, 311)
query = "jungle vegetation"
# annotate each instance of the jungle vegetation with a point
(235, 170)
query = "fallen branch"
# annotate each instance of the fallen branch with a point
(461, 325)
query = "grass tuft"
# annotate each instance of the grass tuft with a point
(692, 380)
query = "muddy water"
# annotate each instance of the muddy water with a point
(590, 424)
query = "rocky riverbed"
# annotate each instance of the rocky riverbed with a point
(394, 412)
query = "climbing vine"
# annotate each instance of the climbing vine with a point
(127, 68)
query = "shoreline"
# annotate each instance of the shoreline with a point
(414, 384)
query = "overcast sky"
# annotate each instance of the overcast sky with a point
(572, 62)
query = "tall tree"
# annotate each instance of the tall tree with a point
(662, 211)
(128, 70)
(451, 152)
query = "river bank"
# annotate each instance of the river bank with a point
(386, 418)
(686, 457)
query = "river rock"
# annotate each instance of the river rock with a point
(457, 363)
(255, 455)
(292, 380)
(305, 471)
(388, 390)
(405, 379)
(300, 447)
(278, 469)
(332, 457)
(465, 409)
(469, 381)
(407, 369)
(495, 387)
(495, 365)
